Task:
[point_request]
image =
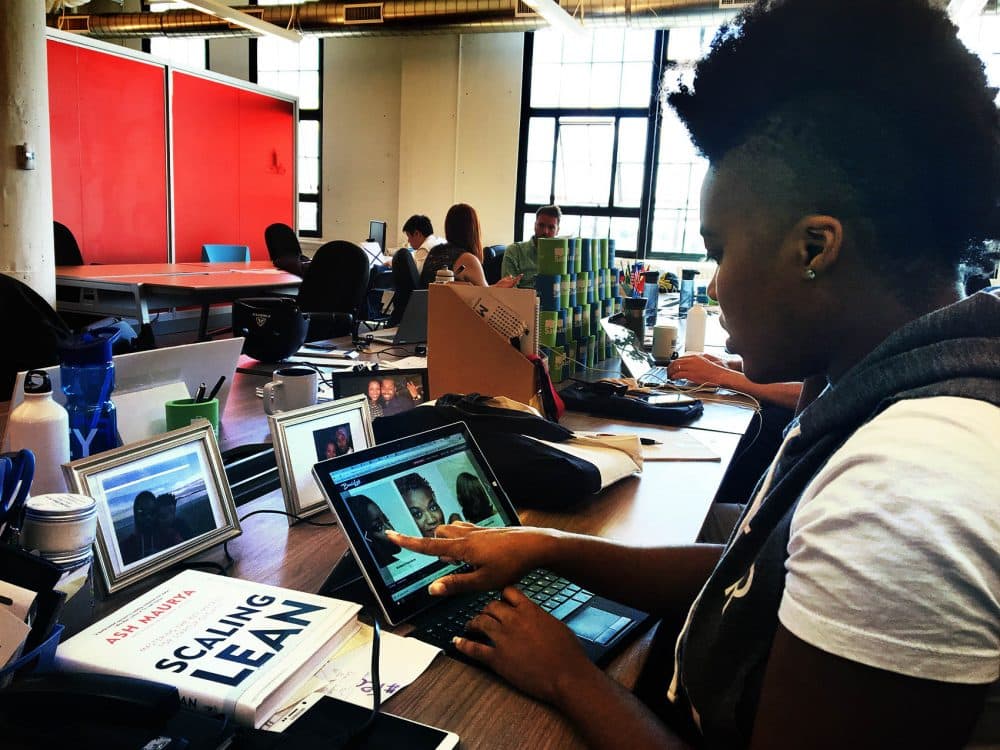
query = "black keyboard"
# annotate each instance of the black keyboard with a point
(554, 594)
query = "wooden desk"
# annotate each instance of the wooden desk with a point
(665, 505)
(138, 289)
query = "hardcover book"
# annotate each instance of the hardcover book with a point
(227, 645)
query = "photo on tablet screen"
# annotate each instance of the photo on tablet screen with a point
(428, 485)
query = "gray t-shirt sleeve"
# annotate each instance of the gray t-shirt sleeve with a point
(894, 550)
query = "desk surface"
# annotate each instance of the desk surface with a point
(193, 276)
(666, 504)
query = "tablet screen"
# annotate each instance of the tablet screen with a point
(410, 485)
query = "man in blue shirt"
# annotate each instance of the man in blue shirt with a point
(521, 258)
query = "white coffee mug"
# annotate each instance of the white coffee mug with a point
(290, 388)
(665, 343)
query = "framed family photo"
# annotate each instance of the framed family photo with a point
(388, 392)
(304, 436)
(159, 501)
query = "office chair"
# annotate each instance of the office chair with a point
(335, 282)
(225, 254)
(493, 262)
(67, 251)
(404, 279)
(284, 248)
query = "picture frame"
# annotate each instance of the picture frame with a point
(302, 437)
(409, 389)
(159, 501)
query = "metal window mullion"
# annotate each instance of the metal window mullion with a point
(522, 141)
(614, 165)
(644, 237)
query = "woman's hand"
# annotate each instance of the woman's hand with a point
(499, 556)
(701, 369)
(529, 648)
(508, 281)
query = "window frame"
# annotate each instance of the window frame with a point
(652, 113)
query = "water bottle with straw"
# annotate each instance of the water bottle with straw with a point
(88, 378)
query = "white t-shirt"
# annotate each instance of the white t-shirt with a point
(894, 548)
(420, 254)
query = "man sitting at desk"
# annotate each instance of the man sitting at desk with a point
(420, 234)
(521, 258)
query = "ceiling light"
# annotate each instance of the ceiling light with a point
(238, 17)
(557, 17)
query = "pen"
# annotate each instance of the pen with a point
(215, 389)
(200, 394)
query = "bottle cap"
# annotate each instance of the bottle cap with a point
(37, 381)
(89, 348)
(688, 273)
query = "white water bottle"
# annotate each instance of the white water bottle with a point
(42, 426)
(694, 334)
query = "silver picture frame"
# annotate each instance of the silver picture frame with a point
(159, 501)
(302, 437)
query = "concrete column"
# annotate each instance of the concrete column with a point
(26, 244)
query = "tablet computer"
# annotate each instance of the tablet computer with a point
(416, 483)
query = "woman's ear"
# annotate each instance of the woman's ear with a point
(820, 238)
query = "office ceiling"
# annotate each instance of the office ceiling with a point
(387, 18)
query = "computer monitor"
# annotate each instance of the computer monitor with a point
(376, 233)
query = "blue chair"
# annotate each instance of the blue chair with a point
(225, 254)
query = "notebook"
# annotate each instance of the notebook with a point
(365, 491)
(412, 326)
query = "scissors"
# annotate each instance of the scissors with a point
(17, 470)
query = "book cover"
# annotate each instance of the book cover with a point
(226, 644)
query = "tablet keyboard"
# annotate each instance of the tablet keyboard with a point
(554, 594)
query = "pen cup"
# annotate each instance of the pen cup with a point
(181, 411)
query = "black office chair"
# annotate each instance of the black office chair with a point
(404, 280)
(335, 282)
(284, 248)
(493, 262)
(67, 251)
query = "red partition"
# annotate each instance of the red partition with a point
(234, 154)
(109, 153)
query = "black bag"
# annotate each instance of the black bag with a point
(533, 474)
(612, 400)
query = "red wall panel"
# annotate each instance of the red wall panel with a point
(64, 136)
(233, 165)
(267, 167)
(206, 121)
(111, 182)
(233, 158)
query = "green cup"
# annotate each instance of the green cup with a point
(182, 411)
(548, 324)
(552, 254)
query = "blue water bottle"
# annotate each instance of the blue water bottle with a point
(88, 377)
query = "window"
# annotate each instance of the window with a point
(593, 140)
(296, 69)
(585, 131)
(191, 52)
(981, 34)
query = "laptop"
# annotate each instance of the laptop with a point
(412, 326)
(365, 491)
(145, 380)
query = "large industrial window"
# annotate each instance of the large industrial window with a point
(593, 142)
(296, 69)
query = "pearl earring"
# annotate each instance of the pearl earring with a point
(810, 274)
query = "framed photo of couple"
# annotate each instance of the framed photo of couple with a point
(159, 501)
(388, 392)
(304, 436)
